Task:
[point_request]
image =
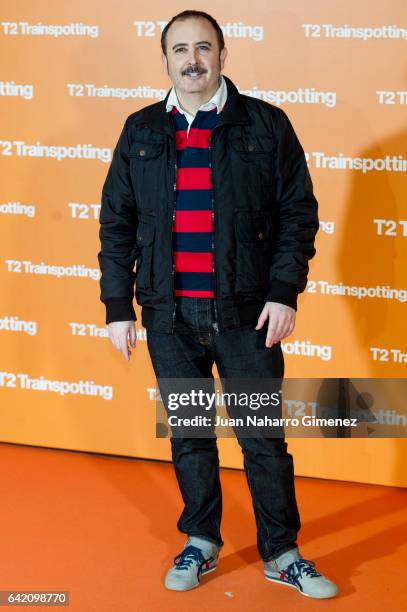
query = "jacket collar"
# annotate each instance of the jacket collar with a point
(218, 100)
(157, 118)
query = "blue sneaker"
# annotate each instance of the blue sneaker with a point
(192, 563)
(301, 574)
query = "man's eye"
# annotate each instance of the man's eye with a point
(200, 47)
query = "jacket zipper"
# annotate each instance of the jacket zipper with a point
(215, 325)
(172, 242)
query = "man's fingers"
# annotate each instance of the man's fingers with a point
(133, 336)
(122, 334)
(120, 343)
(262, 318)
(281, 320)
(115, 341)
(124, 347)
(283, 327)
(274, 329)
(288, 330)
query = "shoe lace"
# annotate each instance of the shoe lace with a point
(302, 567)
(190, 554)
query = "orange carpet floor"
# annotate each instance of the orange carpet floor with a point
(104, 529)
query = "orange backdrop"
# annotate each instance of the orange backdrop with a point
(71, 74)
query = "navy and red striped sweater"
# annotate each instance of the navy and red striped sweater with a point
(193, 224)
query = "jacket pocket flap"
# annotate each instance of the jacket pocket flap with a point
(143, 151)
(145, 231)
(253, 226)
(257, 145)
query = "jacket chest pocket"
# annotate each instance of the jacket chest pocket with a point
(253, 233)
(252, 166)
(146, 170)
(252, 150)
(145, 239)
(145, 151)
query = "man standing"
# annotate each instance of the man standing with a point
(209, 192)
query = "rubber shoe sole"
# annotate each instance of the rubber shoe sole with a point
(278, 581)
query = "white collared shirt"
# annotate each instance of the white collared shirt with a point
(218, 100)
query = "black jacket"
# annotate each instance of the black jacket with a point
(265, 215)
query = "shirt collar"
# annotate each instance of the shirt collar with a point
(218, 100)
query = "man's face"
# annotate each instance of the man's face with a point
(193, 62)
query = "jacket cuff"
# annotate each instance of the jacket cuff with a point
(283, 293)
(119, 309)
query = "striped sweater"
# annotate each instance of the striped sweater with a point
(193, 223)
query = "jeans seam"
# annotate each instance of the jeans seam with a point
(265, 544)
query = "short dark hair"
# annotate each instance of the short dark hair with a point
(188, 15)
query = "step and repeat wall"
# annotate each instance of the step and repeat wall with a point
(71, 73)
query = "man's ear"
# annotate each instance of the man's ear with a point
(164, 61)
(223, 55)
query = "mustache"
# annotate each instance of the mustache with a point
(194, 70)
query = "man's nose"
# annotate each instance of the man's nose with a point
(193, 56)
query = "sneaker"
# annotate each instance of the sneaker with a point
(192, 563)
(301, 574)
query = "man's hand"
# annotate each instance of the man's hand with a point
(281, 321)
(120, 333)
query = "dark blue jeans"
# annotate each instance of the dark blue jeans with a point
(190, 353)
